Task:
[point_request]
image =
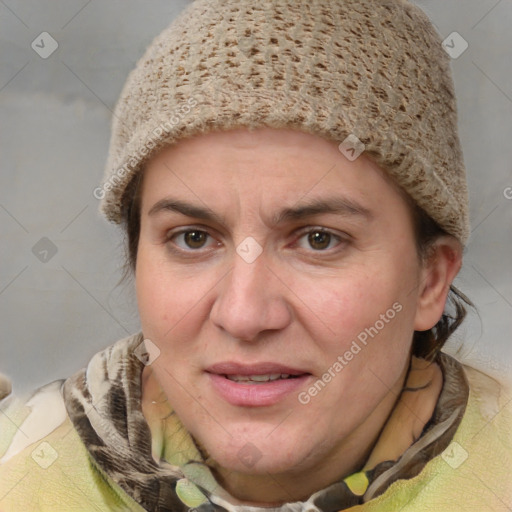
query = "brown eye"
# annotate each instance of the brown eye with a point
(319, 240)
(195, 239)
(188, 239)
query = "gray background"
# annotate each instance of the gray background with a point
(54, 132)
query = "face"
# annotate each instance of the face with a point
(279, 281)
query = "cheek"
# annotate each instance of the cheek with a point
(170, 300)
(158, 295)
(347, 304)
(366, 317)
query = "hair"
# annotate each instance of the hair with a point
(425, 344)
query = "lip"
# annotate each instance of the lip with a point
(262, 394)
(233, 368)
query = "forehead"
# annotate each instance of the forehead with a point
(263, 150)
(276, 165)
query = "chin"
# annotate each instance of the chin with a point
(256, 454)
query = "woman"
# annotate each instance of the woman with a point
(291, 184)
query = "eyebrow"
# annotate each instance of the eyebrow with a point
(337, 205)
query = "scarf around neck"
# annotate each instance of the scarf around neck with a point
(104, 401)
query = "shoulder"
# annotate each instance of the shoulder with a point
(473, 472)
(43, 463)
(25, 421)
(490, 393)
(488, 427)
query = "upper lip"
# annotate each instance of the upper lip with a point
(263, 368)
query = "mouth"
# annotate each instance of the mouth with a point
(255, 373)
(259, 379)
(255, 385)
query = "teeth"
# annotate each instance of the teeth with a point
(258, 378)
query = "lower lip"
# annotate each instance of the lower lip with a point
(255, 395)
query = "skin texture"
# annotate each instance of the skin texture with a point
(301, 303)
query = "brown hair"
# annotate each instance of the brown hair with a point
(426, 344)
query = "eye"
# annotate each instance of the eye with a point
(320, 239)
(190, 239)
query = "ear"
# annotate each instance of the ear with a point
(436, 276)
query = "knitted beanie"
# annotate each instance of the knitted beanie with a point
(370, 75)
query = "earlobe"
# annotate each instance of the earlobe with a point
(435, 279)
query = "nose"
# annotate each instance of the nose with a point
(251, 299)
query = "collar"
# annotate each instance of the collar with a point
(104, 401)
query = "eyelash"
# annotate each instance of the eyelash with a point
(186, 252)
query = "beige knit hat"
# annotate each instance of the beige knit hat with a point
(368, 74)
